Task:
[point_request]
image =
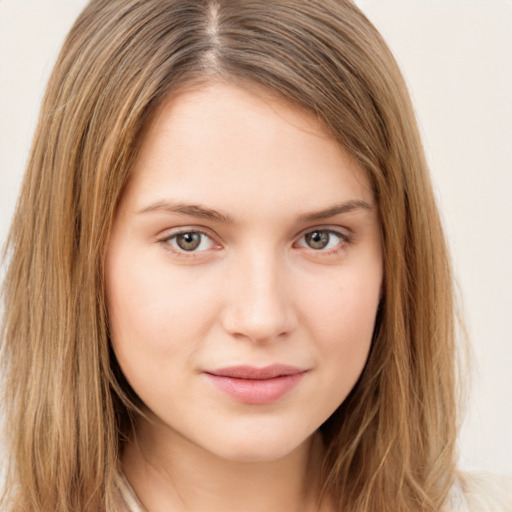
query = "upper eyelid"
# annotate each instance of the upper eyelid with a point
(337, 230)
(344, 239)
(172, 232)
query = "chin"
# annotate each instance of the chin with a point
(261, 448)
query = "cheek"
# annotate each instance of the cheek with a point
(345, 307)
(341, 317)
(157, 313)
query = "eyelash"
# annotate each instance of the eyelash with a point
(344, 240)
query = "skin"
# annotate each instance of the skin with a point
(254, 292)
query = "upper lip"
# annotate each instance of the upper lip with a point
(252, 372)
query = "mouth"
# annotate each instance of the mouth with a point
(253, 373)
(256, 386)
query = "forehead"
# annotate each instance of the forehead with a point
(240, 145)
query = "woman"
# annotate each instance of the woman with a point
(228, 285)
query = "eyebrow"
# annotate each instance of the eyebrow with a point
(202, 212)
(346, 207)
(193, 210)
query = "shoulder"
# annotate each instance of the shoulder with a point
(480, 492)
(130, 499)
(471, 492)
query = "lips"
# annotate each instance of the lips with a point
(256, 386)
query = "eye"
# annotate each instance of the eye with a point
(322, 239)
(190, 241)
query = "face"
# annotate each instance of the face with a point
(243, 273)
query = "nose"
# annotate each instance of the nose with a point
(260, 305)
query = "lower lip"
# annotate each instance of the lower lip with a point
(256, 392)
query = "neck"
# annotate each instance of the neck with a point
(169, 472)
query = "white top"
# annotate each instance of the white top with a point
(472, 492)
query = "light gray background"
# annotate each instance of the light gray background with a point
(457, 59)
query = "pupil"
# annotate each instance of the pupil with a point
(317, 239)
(188, 241)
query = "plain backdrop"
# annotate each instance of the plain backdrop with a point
(456, 56)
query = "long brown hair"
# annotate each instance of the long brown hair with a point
(390, 445)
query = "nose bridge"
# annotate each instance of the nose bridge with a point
(260, 305)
